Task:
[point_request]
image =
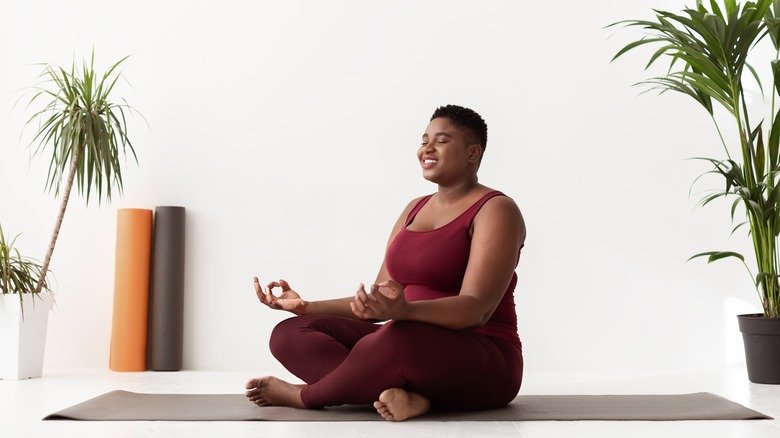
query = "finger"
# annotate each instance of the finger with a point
(270, 292)
(285, 285)
(374, 291)
(363, 295)
(359, 302)
(377, 293)
(354, 309)
(258, 289)
(260, 293)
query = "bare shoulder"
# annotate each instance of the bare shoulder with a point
(500, 205)
(501, 211)
(411, 204)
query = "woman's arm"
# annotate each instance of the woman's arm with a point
(340, 306)
(499, 231)
(335, 307)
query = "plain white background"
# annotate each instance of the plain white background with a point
(289, 129)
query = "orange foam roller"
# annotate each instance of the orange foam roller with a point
(131, 290)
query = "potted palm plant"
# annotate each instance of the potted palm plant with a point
(707, 47)
(84, 130)
(22, 322)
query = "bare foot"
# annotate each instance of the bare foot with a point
(397, 404)
(270, 391)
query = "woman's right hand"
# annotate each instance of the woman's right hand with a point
(288, 300)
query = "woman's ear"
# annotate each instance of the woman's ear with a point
(474, 153)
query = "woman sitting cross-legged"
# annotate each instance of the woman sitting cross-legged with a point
(445, 288)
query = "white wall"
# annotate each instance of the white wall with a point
(289, 130)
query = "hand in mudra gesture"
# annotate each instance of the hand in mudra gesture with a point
(386, 301)
(288, 300)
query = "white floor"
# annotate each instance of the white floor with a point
(24, 403)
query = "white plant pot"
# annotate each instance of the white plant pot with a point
(23, 339)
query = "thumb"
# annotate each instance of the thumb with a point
(395, 288)
(390, 283)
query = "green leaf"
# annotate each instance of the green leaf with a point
(698, 177)
(634, 45)
(774, 142)
(715, 8)
(733, 207)
(717, 255)
(658, 53)
(756, 209)
(755, 76)
(762, 276)
(707, 199)
(759, 156)
(735, 228)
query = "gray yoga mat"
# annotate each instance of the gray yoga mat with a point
(166, 300)
(124, 405)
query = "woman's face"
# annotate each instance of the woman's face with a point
(446, 153)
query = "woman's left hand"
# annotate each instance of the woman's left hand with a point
(389, 303)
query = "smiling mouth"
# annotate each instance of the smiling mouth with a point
(428, 163)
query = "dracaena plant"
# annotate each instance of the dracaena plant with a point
(18, 274)
(83, 127)
(707, 47)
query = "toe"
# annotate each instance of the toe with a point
(387, 395)
(257, 382)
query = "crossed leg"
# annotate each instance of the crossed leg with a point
(400, 366)
(310, 347)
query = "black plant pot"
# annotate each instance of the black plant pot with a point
(762, 347)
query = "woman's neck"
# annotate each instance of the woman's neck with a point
(452, 193)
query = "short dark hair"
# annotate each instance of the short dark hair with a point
(465, 118)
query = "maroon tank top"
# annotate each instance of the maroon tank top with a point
(432, 264)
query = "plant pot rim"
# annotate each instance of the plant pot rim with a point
(754, 316)
(32, 302)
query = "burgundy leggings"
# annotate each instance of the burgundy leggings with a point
(349, 361)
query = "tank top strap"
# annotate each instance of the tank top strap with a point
(416, 208)
(468, 216)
